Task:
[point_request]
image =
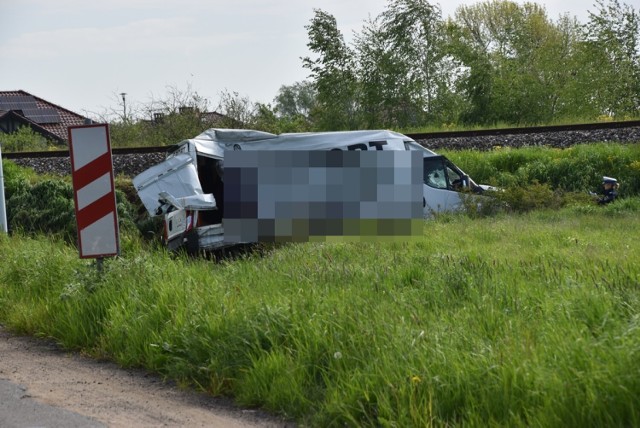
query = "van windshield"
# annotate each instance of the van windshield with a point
(441, 173)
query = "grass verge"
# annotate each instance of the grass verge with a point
(522, 320)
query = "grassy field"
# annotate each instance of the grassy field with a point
(516, 320)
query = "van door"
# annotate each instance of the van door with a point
(442, 183)
(172, 183)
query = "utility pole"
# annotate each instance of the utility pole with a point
(124, 105)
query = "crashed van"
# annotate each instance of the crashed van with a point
(187, 188)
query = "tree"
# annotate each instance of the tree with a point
(534, 70)
(165, 120)
(561, 63)
(611, 54)
(239, 111)
(414, 30)
(179, 114)
(470, 41)
(268, 119)
(332, 73)
(515, 59)
(405, 74)
(377, 77)
(296, 100)
(294, 105)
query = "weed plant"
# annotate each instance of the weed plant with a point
(26, 139)
(521, 320)
(44, 204)
(576, 169)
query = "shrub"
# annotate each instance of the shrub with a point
(576, 169)
(23, 140)
(527, 198)
(487, 205)
(47, 207)
(16, 178)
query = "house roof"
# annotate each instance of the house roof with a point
(17, 118)
(43, 116)
(212, 116)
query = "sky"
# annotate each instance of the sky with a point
(81, 54)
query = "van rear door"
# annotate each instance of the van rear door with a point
(173, 182)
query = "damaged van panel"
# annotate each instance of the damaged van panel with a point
(187, 188)
(174, 182)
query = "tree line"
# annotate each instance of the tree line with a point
(492, 63)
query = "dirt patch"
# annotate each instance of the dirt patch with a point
(114, 396)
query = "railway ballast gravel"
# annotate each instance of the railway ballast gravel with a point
(133, 163)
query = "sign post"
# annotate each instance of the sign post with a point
(3, 207)
(94, 191)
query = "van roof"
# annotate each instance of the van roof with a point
(252, 136)
(214, 141)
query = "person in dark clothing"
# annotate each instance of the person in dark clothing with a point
(610, 190)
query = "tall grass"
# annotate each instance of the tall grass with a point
(527, 320)
(577, 169)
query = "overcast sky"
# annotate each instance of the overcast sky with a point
(80, 54)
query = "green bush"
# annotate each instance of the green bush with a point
(520, 199)
(527, 198)
(171, 129)
(16, 178)
(47, 207)
(575, 169)
(42, 204)
(24, 140)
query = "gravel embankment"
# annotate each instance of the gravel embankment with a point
(131, 165)
(550, 139)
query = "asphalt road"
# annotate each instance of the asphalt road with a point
(42, 385)
(19, 410)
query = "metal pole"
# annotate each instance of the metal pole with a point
(3, 208)
(124, 105)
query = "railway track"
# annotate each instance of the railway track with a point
(131, 161)
(63, 153)
(528, 130)
(424, 138)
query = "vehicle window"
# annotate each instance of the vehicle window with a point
(434, 173)
(455, 177)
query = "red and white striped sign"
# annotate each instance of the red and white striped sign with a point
(94, 191)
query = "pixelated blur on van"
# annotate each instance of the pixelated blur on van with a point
(187, 188)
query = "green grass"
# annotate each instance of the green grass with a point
(523, 320)
(576, 169)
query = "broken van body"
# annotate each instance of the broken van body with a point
(187, 188)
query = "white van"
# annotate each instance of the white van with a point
(187, 188)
